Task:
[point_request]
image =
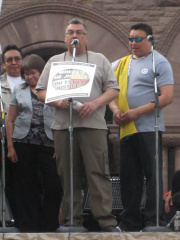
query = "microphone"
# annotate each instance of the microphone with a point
(150, 38)
(75, 42)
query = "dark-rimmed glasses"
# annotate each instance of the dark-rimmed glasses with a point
(78, 32)
(138, 39)
(16, 59)
(33, 73)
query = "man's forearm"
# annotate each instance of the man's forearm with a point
(114, 106)
(106, 97)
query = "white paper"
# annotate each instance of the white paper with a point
(69, 80)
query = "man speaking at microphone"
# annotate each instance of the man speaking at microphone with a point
(134, 111)
(89, 134)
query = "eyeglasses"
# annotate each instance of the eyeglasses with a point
(138, 39)
(16, 59)
(26, 75)
(78, 32)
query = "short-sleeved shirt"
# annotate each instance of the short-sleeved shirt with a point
(141, 87)
(104, 79)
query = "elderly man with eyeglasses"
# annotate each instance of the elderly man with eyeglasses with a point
(11, 61)
(134, 111)
(89, 133)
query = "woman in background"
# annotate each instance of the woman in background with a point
(31, 149)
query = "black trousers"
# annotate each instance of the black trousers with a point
(9, 185)
(137, 160)
(175, 192)
(37, 188)
(176, 182)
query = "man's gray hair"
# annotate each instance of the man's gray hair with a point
(77, 21)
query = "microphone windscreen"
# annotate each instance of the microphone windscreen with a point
(75, 42)
(150, 38)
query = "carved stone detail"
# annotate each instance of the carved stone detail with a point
(43, 45)
(171, 138)
(170, 3)
(172, 30)
(93, 15)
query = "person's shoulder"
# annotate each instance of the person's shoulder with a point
(57, 57)
(98, 58)
(20, 87)
(162, 61)
(115, 64)
(96, 54)
(17, 88)
(160, 56)
(4, 77)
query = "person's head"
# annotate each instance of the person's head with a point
(76, 29)
(32, 67)
(12, 60)
(138, 42)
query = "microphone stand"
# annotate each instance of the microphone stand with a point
(156, 228)
(71, 228)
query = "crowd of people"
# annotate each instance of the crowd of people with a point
(38, 142)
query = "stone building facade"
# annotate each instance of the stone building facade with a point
(38, 27)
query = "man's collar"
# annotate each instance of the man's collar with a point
(13, 76)
(137, 58)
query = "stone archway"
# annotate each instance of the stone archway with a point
(45, 49)
(39, 22)
(39, 28)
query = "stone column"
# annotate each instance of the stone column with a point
(165, 169)
(177, 158)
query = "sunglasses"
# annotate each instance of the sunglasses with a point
(138, 39)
